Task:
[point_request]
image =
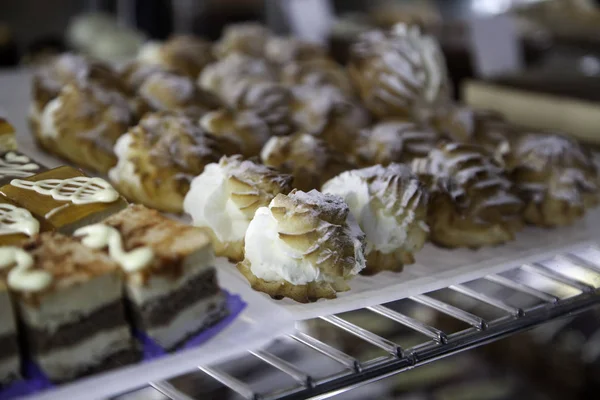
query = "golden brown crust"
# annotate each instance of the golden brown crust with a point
(473, 203)
(394, 141)
(170, 241)
(166, 151)
(87, 121)
(164, 91)
(7, 136)
(378, 262)
(310, 160)
(555, 176)
(399, 73)
(135, 73)
(310, 292)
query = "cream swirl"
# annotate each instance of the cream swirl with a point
(22, 277)
(389, 204)
(302, 238)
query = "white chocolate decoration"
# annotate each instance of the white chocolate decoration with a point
(15, 219)
(13, 164)
(78, 190)
(21, 277)
(99, 236)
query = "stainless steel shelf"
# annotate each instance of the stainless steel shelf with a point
(562, 286)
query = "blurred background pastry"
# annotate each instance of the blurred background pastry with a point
(225, 196)
(183, 54)
(310, 160)
(83, 124)
(555, 176)
(247, 38)
(158, 158)
(473, 203)
(392, 141)
(390, 205)
(303, 246)
(400, 72)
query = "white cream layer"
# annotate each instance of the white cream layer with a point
(124, 171)
(7, 315)
(48, 123)
(210, 206)
(63, 306)
(9, 368)
(188, 321)
(383, 231)
(141, 289)
(66, 362)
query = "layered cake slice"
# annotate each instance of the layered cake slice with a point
(65, 198)
(171, 283)
(70, 302)
(10, 360)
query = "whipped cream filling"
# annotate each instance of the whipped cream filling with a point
(124, 171)
(48, 123)
(271, 259)
(209, 205)
(383, 231)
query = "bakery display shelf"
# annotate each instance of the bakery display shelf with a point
(566, 285)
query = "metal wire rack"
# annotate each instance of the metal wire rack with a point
(517, 300)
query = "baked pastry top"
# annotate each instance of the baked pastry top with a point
(158, 158)
(555, 176)
(83, 123)
(182, 54)
(247, 38)
(399, 73)
(473, 202)
(165, 91)
(310, 160)
(394, 141)
(326, 112)
(225, 197)
(390, 205)
(303, 246)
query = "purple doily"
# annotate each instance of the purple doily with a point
(35, 380)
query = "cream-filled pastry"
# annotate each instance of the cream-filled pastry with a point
(304, 246)
(158, 158)
(399, 73)
(326, 112)
(83, 123)
(135, 73)
(247, 38)
(390, 206)
(49, 80)
(269, 101)
(473, 203)
(464, 124)
(224, 197)
(234, 67)
(248, 130)
(555, 176)
(285, 50)
(185, 55)
(317, 72)
(310, 160)
(394, 141)
(165, 91)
